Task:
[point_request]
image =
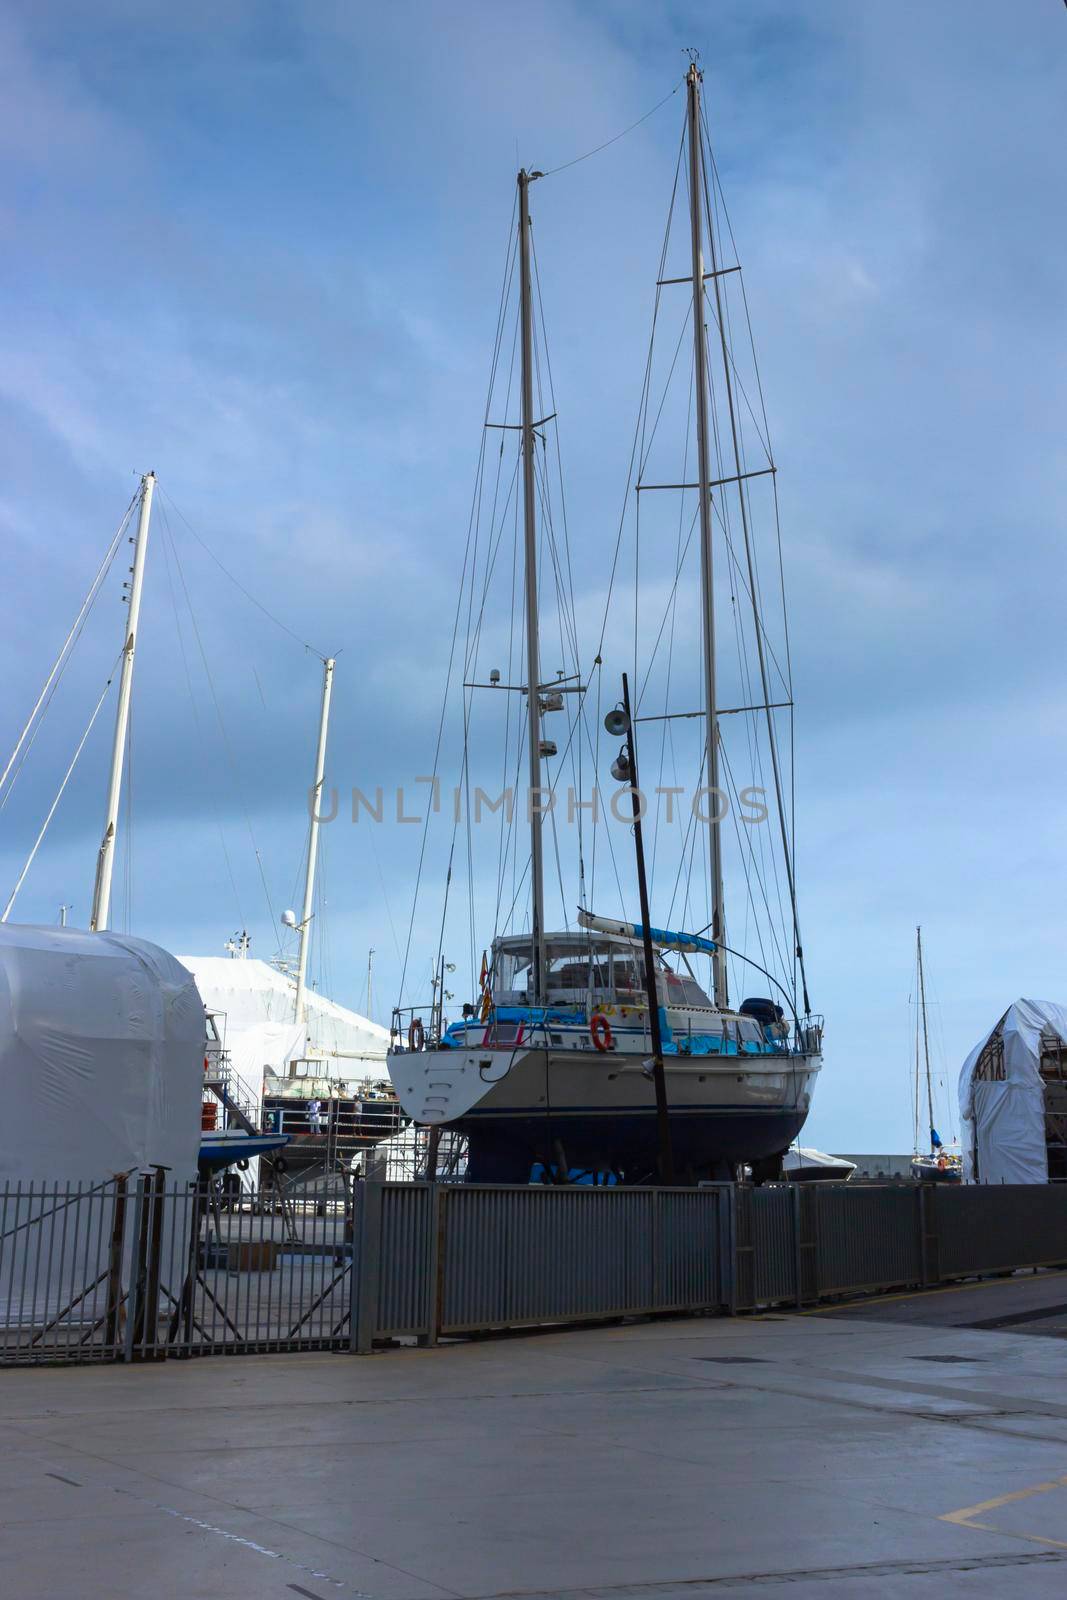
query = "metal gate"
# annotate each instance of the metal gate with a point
(134, 1269)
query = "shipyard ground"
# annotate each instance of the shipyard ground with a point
(912, 1447)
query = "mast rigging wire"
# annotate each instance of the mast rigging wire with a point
(222, 725)
(771, 737)
(55, 676)
(471, 525)
(615, 137)
(166, 543)
(278, 623)
(59, 792)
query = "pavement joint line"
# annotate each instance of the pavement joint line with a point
(992, 1404)
(875, 1569)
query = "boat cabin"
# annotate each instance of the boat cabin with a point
(587, 970)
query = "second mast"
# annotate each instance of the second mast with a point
(533, 661)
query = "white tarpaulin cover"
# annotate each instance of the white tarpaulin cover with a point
(101, 1056)
(1002, 1098)
(258, 1002)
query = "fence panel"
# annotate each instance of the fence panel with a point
(774, 1242)
(253, 1271)
(62, 1273)
(867, 1237)
(689, 1266)
(992, 1229)
(406, 1257)
(522, 1255)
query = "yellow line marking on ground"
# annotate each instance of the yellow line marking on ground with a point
(1031, 1538)
(919, 1294)
(966, 1512)
(966, 1516)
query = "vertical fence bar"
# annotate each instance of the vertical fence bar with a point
(64, 1294)
(434, 1262)
(25, 1257)
(38, 1242)
(136, 1287)
(367, 1270)
(929, 1237)
(155, 1246)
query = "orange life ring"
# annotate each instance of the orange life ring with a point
(600, 1031)
(416, 1034)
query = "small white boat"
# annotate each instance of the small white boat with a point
(806, 1165)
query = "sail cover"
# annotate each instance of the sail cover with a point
(1002, 1097)
(663, 937)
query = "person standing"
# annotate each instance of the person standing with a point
(315, 1116)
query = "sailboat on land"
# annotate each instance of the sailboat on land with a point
(937, 1164)
(550, 1067)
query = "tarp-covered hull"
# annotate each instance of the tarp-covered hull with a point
(1002, 1097)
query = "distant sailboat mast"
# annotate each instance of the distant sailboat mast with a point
(925, 1036)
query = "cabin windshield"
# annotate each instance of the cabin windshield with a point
(682, 989)
(572, 970)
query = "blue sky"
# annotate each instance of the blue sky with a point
(258, 248)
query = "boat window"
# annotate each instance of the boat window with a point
(577, 969)
(628, 977)
(684, 991)
(569, 968)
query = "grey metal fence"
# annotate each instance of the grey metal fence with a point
(136, 1269)
(865, 1238)
(509, 1257)
(139, 1269)
(996, 1228)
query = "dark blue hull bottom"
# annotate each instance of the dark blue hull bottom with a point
(705, 1144)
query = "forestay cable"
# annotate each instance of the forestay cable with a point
(53, 679)
(59, 791)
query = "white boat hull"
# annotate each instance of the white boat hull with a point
(598, 1110)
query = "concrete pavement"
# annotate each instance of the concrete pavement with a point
(852, 1453)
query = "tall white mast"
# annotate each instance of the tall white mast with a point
(313, 839)
(105, 860)
(926, 1035)
(533, 664)
(707, 582)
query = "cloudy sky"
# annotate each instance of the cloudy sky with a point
(258, 249)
